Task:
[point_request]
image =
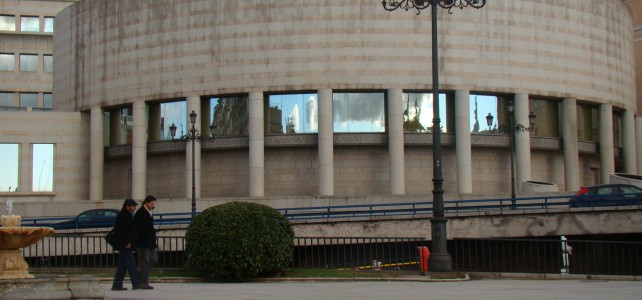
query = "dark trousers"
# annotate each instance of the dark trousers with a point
(126, 263)
(146, 259)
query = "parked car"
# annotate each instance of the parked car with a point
(607, 195)
(93, 218)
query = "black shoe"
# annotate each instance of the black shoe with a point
(119, 288)
(143, 287)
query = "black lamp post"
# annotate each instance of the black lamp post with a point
(511, 129)
(193, 136)
(439, 259)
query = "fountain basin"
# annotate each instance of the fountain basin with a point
(13, 238)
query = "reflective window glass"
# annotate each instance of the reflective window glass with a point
(49, 24)
(28, 100)
(30, 24)
(6, 99)
(47, 100)
(47, 64)
(230, 115)
(28, 62)
(43, 169)
(359, 112)
(547, 117)
(587, 123)
(173, 113)
(6, 62)
(9, 162)
(481, 107)
(289, 114)
(418, 112)
(8, 23)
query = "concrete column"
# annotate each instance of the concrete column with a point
(96, 154)
(463, 142)
(569, 139)
(257, 145)
(638, 149)
(139, 151)
(522, 142)
(155, 123)
(25, 180)
(628, 142)
(395, 142)
(607, 149)
(193, 104)
(326, 143)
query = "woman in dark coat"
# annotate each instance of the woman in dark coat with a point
(125, 234)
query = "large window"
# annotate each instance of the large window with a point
(28, 100)
(42, 172)
(547, 122)
(47, 64)
(481, 106)
(6, 99)
(9, 162)
(49, 24)
(30, 24)
(418, 112)
(8, 23)
(7, 62)
(587, 123)
(230, 115)
(28, 62)
(47, 101)
(173, 113)
(289, 114)
(359, 112)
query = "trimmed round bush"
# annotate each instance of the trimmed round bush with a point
(237, 241)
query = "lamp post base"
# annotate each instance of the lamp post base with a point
(439, 260)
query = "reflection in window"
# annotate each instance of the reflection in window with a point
(9, 162)
(295, 113)
(49, 24)
(6, 99)
(8, 23)
(587, 123)
(119, 125)
(617, 128)
(42, 172)
(418, 112)
(47, 101)
(6, 62)
(173, 113)
(230, 115)
(28, 62)
(359, 112)
(482, 106)
(547, 121)
(47, 64)
(30, 24)
(28, 100)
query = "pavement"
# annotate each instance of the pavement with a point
(418, 287)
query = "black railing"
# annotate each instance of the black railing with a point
(358, 253)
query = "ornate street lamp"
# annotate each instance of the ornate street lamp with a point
(193, 136)
(439, 259)
(512, 128)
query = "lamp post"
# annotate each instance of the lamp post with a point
(193, 136)
(511, 129)
(439, 259)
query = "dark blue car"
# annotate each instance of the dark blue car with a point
(607, 195)
(93, 218)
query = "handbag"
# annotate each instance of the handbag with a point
(110, 238)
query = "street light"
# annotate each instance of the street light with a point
(511, 129)
(193, 136)
(439, 259)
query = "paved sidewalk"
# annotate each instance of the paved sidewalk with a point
(398, 290)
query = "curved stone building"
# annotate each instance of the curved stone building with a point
(333, 98)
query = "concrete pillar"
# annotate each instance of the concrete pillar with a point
(628, 142)
(463, 142)
(96, 154)
(193, 104)
(607, 149)
(139, 151)
(522, 142)
(155, 123)
(638, 148)
(25, 180)
(396, 142)
(257, 145)
(570, 146)
(326, 143)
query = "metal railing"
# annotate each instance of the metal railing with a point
(553, 255)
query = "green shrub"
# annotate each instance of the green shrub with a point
(238, 240)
